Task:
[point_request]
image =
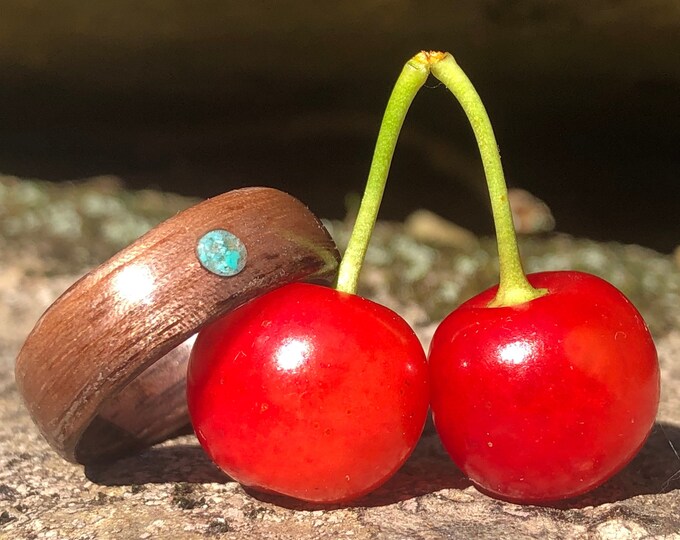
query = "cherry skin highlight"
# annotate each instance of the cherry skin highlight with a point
(547, 399)
(309, 392)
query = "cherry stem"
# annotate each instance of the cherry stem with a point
(412, 77)
(514, 288)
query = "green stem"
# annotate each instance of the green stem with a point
(513, 288)
(412, 77)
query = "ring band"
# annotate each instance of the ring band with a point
(103, 371)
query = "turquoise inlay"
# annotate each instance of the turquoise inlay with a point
(221, 253)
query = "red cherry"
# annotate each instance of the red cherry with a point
(309, 392)
(546, 399)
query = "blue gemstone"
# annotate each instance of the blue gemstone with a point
(221, 253)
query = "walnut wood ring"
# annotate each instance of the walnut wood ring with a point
(103, 371)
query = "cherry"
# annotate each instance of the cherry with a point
(542, 388)
(312, 392)
(549, 398)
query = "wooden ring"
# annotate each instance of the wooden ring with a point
(103, 371)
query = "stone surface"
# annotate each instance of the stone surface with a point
(50, 235)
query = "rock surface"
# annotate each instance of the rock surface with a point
(49, 235)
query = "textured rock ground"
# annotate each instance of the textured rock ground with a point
(50, 235)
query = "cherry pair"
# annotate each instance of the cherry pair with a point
(541, 388)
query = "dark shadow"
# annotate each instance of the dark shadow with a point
(158, 465)
(429, 469)
(655, 470)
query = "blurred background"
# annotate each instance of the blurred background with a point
(201, 97)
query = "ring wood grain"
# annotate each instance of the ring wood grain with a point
(103, 371)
